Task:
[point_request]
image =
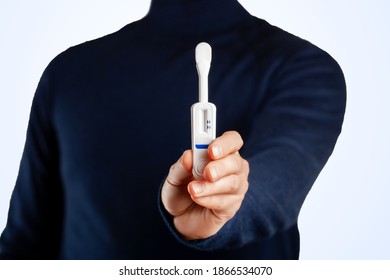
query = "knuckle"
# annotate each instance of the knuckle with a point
(232, 188)
(236, 136)
(240, 140)
(229, 132)
(237, 162)
(234, 185)
(219, 203)
(243, 184)
(245, 165)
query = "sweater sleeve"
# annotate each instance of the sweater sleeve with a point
(291, 138)
(33, 229)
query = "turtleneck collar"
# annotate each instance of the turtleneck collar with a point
(195, 16)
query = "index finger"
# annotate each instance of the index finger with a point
(228, 143)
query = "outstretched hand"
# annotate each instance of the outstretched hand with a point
(200, 208)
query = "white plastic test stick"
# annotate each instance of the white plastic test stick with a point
(203, 113)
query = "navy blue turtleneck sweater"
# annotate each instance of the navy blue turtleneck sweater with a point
(110, 116)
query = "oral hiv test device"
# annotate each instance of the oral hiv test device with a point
(203, 113)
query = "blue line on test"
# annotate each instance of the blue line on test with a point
(202, 146)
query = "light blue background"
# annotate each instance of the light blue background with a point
(346, 215)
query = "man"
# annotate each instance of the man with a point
(110, 117)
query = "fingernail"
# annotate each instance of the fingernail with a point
(216, 151)
(197, 188)
(213, 173)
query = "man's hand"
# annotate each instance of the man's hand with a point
(201, 208)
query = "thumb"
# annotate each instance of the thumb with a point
(180, 173)
(174, 194)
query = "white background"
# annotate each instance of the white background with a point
(346, 215)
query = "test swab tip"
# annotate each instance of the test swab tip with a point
(203, 53)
